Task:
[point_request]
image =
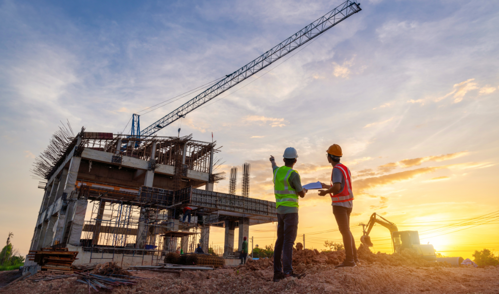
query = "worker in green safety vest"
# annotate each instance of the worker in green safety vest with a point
(287, 188)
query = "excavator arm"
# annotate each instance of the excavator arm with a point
(365, 239)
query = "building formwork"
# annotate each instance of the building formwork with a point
(120, 197)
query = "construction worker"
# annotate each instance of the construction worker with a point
(199, 250)
(187, 212)
(342, 202)
(244, 251)
(287, 188)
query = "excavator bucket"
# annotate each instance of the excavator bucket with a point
(366, 240)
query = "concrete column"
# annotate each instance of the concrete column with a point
(36, 237)
(184, 244)
(98, 222)
(43, 229)
(77, 221)
(209, 185)
(118, 147)
(45, 197)
(62, 185)
(53, 190)
(141, 231)
(243, 231)
(205, 238)
(69, 187)
(59, 227)
(49, 233)
(229, 238)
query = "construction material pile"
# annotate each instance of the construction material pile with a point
(54, 259)
(172, 258)
(110, 269)
(195, 259)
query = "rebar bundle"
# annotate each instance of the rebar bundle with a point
(59, 142)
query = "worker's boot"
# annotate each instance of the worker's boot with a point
(278, 276)
(299, 276)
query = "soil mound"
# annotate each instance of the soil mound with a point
(407, 258)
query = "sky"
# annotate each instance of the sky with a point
(408, 89)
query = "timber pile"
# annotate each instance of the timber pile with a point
(54, 259)
(195, 259)
(203, 259)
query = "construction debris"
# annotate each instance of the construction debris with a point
(54, 259)
(103, 282)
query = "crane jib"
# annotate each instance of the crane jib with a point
(287, 46)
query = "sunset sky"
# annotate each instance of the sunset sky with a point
(409, 89)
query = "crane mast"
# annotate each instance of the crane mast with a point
(311, 31)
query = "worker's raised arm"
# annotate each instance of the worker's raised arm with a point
(272, 160)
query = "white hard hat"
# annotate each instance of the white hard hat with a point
(290, 153)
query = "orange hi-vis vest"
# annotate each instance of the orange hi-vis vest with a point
(345, 194)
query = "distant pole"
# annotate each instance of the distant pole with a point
(303, 241)
(252, 248)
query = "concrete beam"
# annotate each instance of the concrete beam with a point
(106, 157)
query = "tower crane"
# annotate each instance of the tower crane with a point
(308, 33)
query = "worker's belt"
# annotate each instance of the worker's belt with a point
(284, 192)
(286, 200)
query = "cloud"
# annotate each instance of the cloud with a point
(362, 185)
(463, 88)
(28, 154)
(124, 109)
(418, 161)
(378, 123)
(487, 90)
(438, 179)
(460, 90)
(274, 122)
(382, 203)
(343, 71)
(358, 160)
(388, 104)
(257, 137)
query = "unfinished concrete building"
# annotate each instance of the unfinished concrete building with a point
(119, 198)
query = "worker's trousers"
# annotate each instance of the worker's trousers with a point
(342, 215)
(287, 227)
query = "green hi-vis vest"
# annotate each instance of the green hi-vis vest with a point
(285, 195)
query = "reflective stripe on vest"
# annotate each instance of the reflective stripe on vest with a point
(285, 195)
(345, 194)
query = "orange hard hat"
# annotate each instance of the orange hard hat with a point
(335, 150)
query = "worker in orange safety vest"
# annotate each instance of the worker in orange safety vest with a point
(341, 194)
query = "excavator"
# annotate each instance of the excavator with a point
(401, 240)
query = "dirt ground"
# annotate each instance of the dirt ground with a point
(377, 273)
(321, 278)
(8, 276)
